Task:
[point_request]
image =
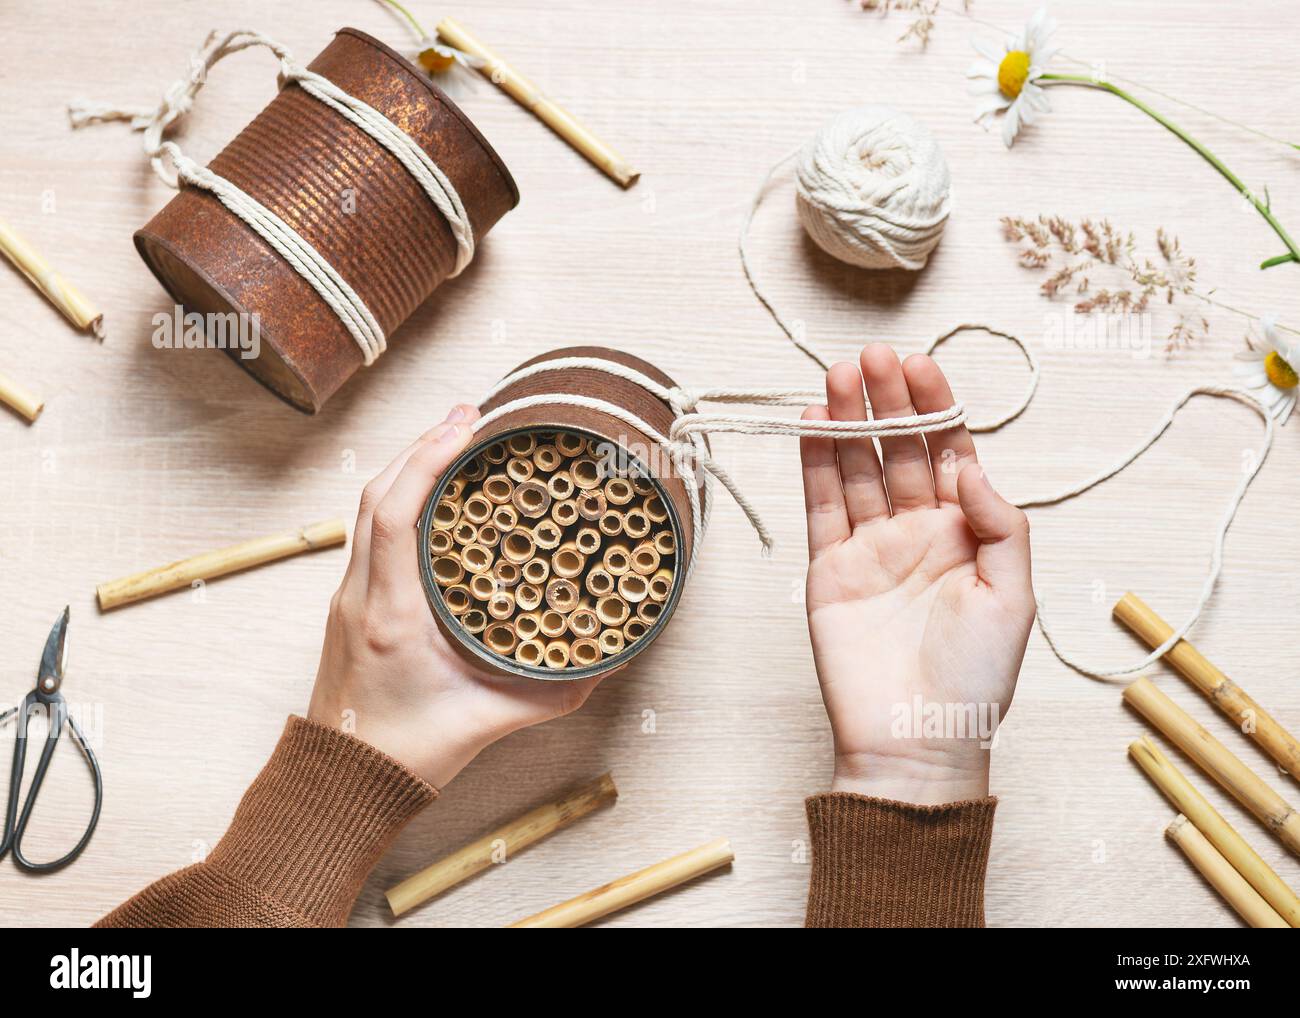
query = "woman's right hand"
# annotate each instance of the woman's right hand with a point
(387, 672)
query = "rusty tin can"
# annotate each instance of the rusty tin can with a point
(348, 197)
(634, 447)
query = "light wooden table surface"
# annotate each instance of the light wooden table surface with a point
(143, 455)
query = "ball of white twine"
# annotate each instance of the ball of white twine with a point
(873, 189)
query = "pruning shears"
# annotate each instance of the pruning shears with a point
(47, 698)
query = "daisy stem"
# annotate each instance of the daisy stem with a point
(1262, 208)
(409, 17)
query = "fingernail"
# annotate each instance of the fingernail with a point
(984, 476)
(449, 434)
(457, 413)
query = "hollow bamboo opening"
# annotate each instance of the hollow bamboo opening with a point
(529, 652)
(500, 636)
(612, 610)
(498, 488)
(477, 510)
(546, 458)
(518, 546)
(528, 596)
(445, 514)
(584, 652)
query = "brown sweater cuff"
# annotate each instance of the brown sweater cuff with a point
(876, 862)
(316, 820)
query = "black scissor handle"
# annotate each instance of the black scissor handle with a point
(15, 822)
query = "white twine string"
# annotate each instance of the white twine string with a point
(685, 444)
(686, 449)
(178, 100)
(795, 333)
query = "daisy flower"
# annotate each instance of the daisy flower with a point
(447, 64)
(1268, 369)
(1005, 80)
(1013, 81)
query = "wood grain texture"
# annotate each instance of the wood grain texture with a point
(144, 456)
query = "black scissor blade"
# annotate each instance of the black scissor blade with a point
(55, 655)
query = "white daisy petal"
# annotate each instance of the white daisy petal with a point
(1037, 98)
(988, 51)
(989, 105)
(1251, 371)
(1011, 125)
(981, 86)
(983, 69)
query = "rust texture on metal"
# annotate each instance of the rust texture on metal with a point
(348, 197)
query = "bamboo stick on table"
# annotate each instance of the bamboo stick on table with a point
(1225, 694)
(1244, 899)
(511, 838)
(635, 887)
(1188, 801)
(1216, 760)
(528, 95)
(22, 400)
(212, 564)
(57, 290)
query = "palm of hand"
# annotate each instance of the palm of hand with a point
(898, 610)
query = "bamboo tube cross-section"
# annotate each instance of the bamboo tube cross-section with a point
(212, 564)
(510, 839)
(1188, 801)
(1225, 694)
(1216, 760)
(633, 888)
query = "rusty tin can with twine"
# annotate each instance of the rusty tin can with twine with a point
(633, 447)
(349, 197)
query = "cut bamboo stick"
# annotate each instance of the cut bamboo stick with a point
(560, 485)
(584, 652)
(212, 564)
(635, 887)
(546, 458)
(501, 637)
(591, 505)
(57, 290)
(1244, 899)
(557, 653)
(21, 399)
(501, 845)
(531, 98)
(1216, 760)
(1225, 694)
(547, 535)
(1188, 801)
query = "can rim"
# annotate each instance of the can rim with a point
(439, 607)
(441, 97)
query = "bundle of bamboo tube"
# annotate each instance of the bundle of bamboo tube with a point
(548, 554)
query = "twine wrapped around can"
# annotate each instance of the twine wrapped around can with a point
(375, 178)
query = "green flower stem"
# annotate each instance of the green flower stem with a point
(1079, 79)
(409, 17)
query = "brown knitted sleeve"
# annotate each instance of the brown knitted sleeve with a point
(876, 862)
(305, 836)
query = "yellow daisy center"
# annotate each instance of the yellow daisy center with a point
(1279, 372)
(1013, 72)
(434, 62)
